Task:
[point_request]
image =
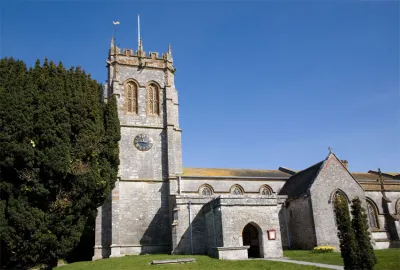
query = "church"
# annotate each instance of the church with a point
(158, 206)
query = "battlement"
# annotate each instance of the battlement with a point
(140, 58)
(140, 53)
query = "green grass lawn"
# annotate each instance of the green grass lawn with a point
(202, 262)
(388, 259)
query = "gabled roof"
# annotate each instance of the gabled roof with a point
(301, 181)
(219, 172)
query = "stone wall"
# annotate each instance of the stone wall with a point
(284, 226)
(333, 176)
(144, 223)
(222, 185)
(301, 224)
(189, 210)
(260, 211)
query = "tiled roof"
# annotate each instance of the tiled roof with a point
(301, 181)
(376, 186)
(368, 176)
(224, 172)
(219, 172)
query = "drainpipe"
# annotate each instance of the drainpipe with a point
(190, 226)
(287, 227)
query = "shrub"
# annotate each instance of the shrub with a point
(324, 249)
(365, 250)
(348, 244)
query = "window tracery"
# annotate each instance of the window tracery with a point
(153, 99)
(266, 190)
(338, 196)
(397, 208)
(372, 216)
(206, 191)
(131, 97)
(236, 190)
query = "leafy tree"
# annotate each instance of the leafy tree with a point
(58, 159)
(365, 251)
(348, 244)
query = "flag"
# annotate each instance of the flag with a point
(117, 22)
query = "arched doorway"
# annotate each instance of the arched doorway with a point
(251, 238)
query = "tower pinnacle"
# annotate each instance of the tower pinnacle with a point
(140, 45)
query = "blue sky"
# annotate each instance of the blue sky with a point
(261, 84)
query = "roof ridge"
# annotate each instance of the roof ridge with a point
(209, 168)
(309, 168)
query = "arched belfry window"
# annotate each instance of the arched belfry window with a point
(236, 190)
(131, 97)
(266, 190)
(206, 190)
(372, 215)
(153, 99)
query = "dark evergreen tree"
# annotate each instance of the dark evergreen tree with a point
(348, 244)
(365, 251)
(58, 159)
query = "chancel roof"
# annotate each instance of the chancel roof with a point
(301, 181)
(219, 172)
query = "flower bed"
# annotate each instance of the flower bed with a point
(324, 249)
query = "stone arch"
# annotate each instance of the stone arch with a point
(236, 190)
(337, 192)
(252, 235)
(341, 193)
(266, 190)
(206, 190)
(131, 96)
(372, 213)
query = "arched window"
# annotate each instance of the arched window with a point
(338, 198)
(266, 190)
(131, 97)
(340, 195)
(153, 99)
(206, 190)
(397, 208)
(237, 190)
(372, 215)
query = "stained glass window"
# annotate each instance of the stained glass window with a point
(372, 217)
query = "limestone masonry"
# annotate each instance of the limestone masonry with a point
(159, 207)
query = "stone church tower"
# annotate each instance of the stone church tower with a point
(136, 218)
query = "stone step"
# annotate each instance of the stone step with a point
(185, 260)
